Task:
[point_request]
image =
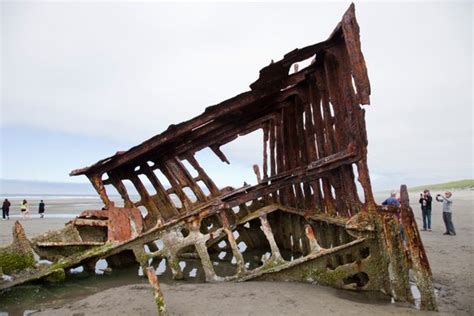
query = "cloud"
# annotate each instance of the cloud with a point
(125, 71)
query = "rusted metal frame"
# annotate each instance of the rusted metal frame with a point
(201, 249)
(357, 114)
(309, 201)
(267, 230)
(272, 145)
(321, 232)
(288, 151)
(225, 134)
(354, 113)
(310, 122)
(280, 159)
(184, 178)
(321, 141)
(297, 234)
(278, 185)
(251, 123)
(332, 143)
(94, 214)
(173, 132)
(233, 244)
(314, 255)
(261, 214)
(217, 150)
(296, 175)
(344, 239)
(333, 84)
(393, 244)
(341, 73)
(247, 236)
(284, 231)
(154, 216)
(350, 30)
(265, 129)
(158, 295)
(229, 106)
(420, 264)
(277, 71)
(164, 203)
(314, 245)
(89, 222)
(98, 185)
(364, 179)
(116, 181)
(303, 190)
(175, 186)
(330, 235)
(202, 175)
(309, 151)
(346, 156)
(293, 152)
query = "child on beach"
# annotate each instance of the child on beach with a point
(447, 212)
(25, 212)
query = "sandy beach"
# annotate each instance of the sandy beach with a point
(451, 259)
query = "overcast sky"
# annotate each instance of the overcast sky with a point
(80, 81)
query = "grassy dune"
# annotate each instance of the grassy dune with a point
(460, 184)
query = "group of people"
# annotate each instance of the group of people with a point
(24, 209)
(425, 202)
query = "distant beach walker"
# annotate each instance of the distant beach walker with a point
(41, 209)
(6, 209)
(25, 210)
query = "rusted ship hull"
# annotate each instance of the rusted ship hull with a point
(302, 221)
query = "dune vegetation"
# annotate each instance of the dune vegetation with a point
(452, 185)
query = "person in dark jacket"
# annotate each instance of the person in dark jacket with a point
(6, 209)
(41, 209)
(425, 201)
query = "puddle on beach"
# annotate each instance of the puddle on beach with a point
(26, 299)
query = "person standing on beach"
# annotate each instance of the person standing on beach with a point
(25, 212)
(447, 212)
(425, 201)
(6, 209)
(41, 209)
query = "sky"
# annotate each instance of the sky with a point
(82, 80)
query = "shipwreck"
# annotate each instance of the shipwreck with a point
(304, 220)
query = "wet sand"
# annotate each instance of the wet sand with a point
(451, 258)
